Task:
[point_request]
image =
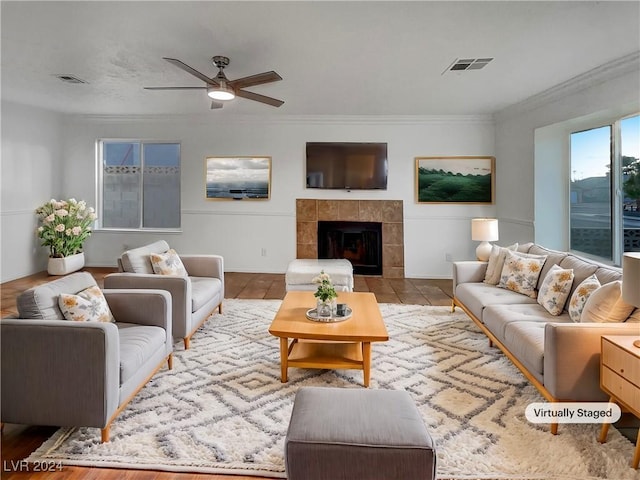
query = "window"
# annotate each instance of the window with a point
(139, 184)
(605, 190)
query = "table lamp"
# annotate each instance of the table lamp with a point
(484, 230)
(631, 281)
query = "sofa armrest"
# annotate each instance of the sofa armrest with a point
(572, 358)
(471, 271)
(57, 372)
(178, 287)
(142, 307)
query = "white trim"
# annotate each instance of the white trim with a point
(289, 119)
(616, 68)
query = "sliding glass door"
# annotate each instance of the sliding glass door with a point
(605, 190)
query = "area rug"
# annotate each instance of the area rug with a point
(223, 409)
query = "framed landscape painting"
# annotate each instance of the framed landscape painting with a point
(455, 180)
(238, 178)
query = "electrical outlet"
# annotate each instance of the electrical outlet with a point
(263, 252)
(448, 257)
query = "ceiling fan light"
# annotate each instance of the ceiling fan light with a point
(221, 93)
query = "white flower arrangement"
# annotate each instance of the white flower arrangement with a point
(325, 290)
(65, 225)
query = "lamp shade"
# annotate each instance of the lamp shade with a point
(484, 229)
(631, 278)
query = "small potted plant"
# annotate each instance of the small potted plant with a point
(64, 226)
(325, 295)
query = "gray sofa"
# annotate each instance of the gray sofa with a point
(195, 297)
(557, 355)
(80, 374)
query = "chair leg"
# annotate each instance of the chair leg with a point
(187, 342)
(220, 308)
(453, 306)
(104, 433)
(170, 361)
(554, 429)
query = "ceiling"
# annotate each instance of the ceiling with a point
(335, 58)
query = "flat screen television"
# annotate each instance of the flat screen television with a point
(347, 165)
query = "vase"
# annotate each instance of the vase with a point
(326, 308)
(64, 265)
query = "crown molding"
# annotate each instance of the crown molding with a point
(286, 119)
(608, 71)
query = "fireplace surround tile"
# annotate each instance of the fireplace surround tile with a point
(388, 212)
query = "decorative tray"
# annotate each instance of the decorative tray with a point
(312, 314)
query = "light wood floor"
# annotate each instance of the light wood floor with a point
(18, 441)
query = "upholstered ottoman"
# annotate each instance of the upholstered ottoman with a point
(300, 274)
(353, 433)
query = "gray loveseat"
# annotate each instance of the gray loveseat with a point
(80, 374)
(557, 355)
(195, 297)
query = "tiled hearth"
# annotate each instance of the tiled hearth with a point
(388, 212)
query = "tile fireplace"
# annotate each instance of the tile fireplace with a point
(350, 216)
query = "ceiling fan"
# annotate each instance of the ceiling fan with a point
(221, 89)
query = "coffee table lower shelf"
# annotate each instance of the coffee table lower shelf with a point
(325, 355)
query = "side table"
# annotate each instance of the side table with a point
(620, 378)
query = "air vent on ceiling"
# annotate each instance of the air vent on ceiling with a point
(461, 64)
(68, 78)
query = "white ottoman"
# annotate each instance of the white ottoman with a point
(300, 274)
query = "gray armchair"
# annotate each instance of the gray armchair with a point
(194, 297)
(80, 374)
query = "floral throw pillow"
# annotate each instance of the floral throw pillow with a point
(89, 305)
(520, 272)
(555, 289)
(581, 295)
(167, 263)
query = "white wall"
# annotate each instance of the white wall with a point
(239, 230)
(531, 197)
(31, 175)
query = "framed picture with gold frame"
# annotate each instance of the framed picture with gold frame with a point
(468, 180)
(238, 178)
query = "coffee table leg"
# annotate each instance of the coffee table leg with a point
(284, 358)
(366, 362)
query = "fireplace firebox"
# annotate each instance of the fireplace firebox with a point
(358, 242)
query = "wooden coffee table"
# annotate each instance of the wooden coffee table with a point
(336, 345)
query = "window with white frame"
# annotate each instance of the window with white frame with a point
(139, 184)
(605, 190)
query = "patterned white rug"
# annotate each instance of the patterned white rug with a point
(223, 409)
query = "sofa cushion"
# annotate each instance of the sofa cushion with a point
(41, 302)
(497, 317)
(581, 295)
(555, 289)
(581, 270)
(89, 305)
(520, 272)
(203, 290)
(605, 305)
(137, 260)
(608, 274)
(167, 263)
(138, 343)
(476, 296)
(554, 257)
(525, 340)
(496, 262)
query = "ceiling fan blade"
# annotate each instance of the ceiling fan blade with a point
(259, 98)
(258, 79)
(175, 88)
(215, 104)
(190, 70)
